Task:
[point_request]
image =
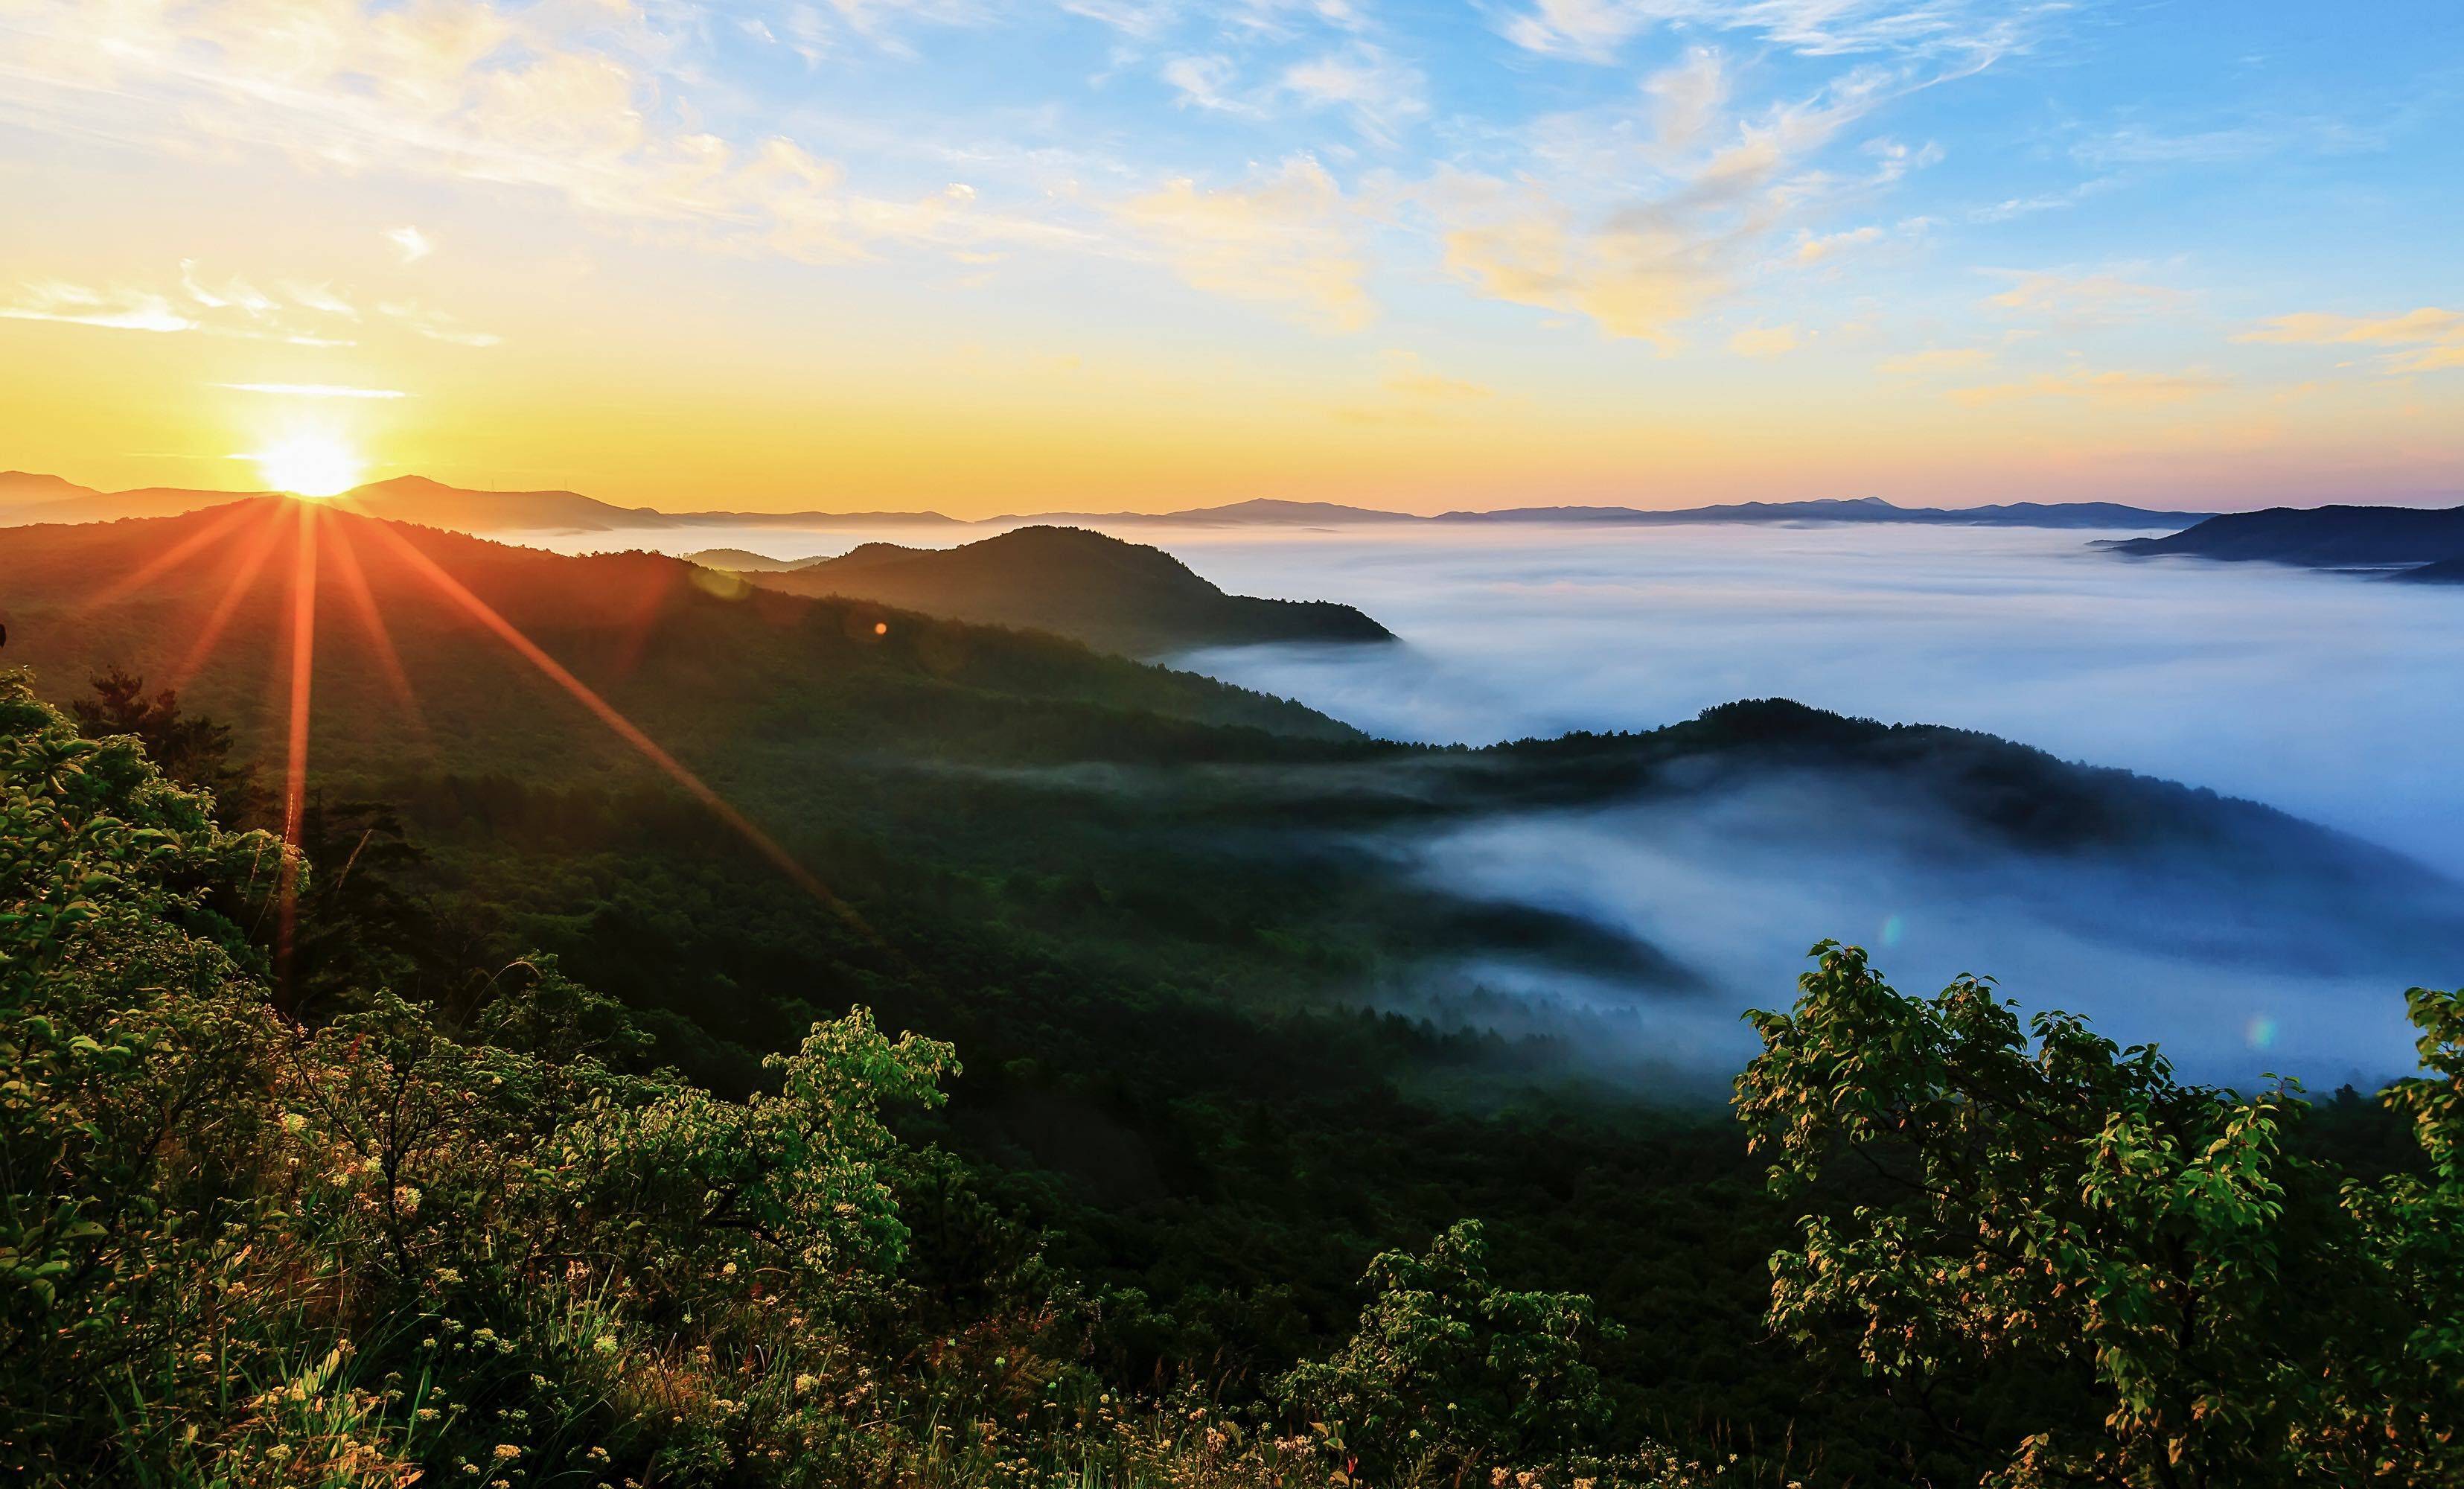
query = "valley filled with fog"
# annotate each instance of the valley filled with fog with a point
(2329, 696)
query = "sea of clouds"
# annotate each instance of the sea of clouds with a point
(2335, 696)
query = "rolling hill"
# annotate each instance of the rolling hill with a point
(203, 600)
(437, 652)
(26, 488)
(2326, 537)
(1116, 595)
(745, 561)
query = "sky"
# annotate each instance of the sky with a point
(1144, 254)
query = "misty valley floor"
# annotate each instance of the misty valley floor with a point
(2251, 679)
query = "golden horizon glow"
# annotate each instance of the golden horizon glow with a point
(1519, 253)
(311, 465)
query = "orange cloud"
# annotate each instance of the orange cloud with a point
(2089, 296)
(2107, 389)
(2433, 337)
(1815, 249)
(1287, 238)
(1933, 358)
(1764, 341)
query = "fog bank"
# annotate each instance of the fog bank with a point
(2332, 696)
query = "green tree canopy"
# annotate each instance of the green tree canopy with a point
(2198, 1303)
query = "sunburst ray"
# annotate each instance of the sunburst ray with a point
(243, 579)
(621, 726)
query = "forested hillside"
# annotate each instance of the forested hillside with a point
(1113, 595)
(474, 1234)
(1151, 916)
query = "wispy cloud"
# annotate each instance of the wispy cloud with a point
(1812, 250)
(2011, 206)
(435, 324)
(1933, 360)
(1596, 30)
(1407, 376)
(1287, 237)
(320, 297)
(112, 309)
(410, 243)
(1710, 189)
(1210, 82)
(1409, 391)
(2112, 389)
(313, 390)
(1766, 341)
(2427, 340)
(565, 97)
(1689, 100)
(234, 307)
(2086, 295)
(2260, 138)
(1379, 95)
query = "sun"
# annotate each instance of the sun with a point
(310, 465)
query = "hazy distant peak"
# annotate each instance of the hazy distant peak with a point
(414, 485)
(1276, 509)
(402, 485)
(2323, 537)
(743, 561)
(35, 486)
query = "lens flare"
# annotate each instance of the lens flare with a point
(310, 465)
(323, 536)
(295, 769)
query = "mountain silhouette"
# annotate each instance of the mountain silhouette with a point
(1119, 596)
(403, 647)
(27, 498)
(2325, 537)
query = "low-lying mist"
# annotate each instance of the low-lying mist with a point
(2230, 967)
(2333, 697)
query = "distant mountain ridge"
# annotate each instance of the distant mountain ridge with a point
(1113, 595)
(1857, 509)
(745, 561)
(1257, 512)
(17, 487)
(29, 498)
(2326, 537)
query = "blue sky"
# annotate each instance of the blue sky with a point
(1419, 253)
